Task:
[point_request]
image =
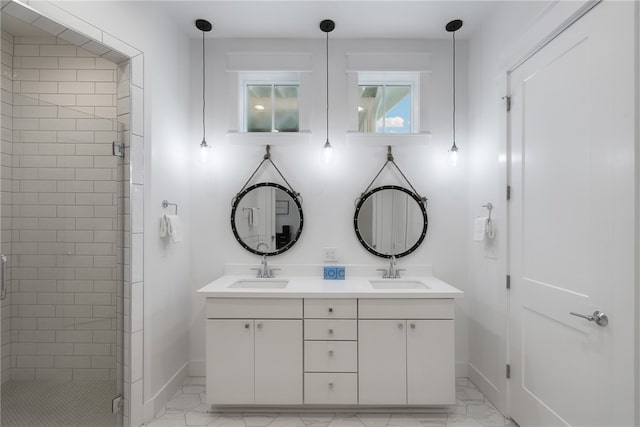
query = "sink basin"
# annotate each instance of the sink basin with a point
(260, 284)
(397, 284)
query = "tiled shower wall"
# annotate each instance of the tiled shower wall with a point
(6, 186)
(65, 213)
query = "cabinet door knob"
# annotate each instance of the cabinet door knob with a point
(400, 326)
(330, 385)
(330, 353)
(259, 325)
(330, 309)
(413, 326)
(330, 331)
(246, 326)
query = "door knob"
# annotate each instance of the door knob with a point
(330, 331)
(598, 316)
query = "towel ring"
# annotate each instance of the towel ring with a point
(166, 204)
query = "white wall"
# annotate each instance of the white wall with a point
(147, 27)
(328, 191)
(509, 33)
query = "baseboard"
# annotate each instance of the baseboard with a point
(487, 388)
(462, 369)
(197, 368)
(157, 402)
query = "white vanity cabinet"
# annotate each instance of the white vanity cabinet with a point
(406, 352)
(254, 360)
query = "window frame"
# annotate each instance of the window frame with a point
(289, 78)
(395, 78)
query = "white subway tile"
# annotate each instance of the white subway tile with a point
(55, 349)
(137, 70)
(36, 336)
(74, 63)
(23, 374)
(37, 261)
(25, 74)
(96, 124)
(58, 99)
(23, 297)
(110, 88)
(75, 136)
(74, 286)
(35, 361)
(105, 211)
(137, 306)
(94, 150)
(75, 236)
(56, 324)
(107, 112)
(79, 161)
(48, 39)
(73, 361)
(74, 336)
(102, 224)
(92, 349)
(26, 50)
(76, 112)
(95, 47)
(137, 111)
(56, 223)
(137, 257)
(48, 25)
(96, 75)
(91, 375)
(19, 349)
(56, 149)
(92, 299)
(104, 261)
(95, 100)
(104, 237)
(58, 50)
(104, 311)
(56, 298)
(94, 273)
(75, 310)
(76, 261)
(105, 63)
(57, 273)
(75, 211)
(56, 248)
(55, 174)
(37, 236)
(58, 75)
(36, 136)
(37, 286)
(43, 374)
(58, 124)
(37, 211)
(36, 311)
(39, 62)
(89, 324)
(25, 124)
(103, 362)
(76, 87)
(74, 187)
(104, 199)
(19, 323)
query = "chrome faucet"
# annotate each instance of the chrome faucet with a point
(262, 243)
(264, 272)
(393, 272)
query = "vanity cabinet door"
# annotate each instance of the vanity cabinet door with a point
(230, 362)
(382, 357)
(430, 362)
(278, 362)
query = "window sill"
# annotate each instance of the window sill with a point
(383, 139)
(268, 138)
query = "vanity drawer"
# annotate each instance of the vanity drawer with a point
(254, 308)
(330, 356)
(405, 308)
(337, 389)
(332, 308)
(330, 329)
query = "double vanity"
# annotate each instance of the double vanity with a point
(298, 340)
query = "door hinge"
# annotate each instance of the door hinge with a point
(508, 281)
(118, 149)
(507, 101)
(508, 371)
(116, 404)
(508, 192)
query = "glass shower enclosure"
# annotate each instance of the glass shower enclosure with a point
(62, 231)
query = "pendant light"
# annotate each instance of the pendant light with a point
(204, 26)
(327, 151)
(452, 27)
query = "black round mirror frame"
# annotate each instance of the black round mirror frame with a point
(415, 197)
(236, 202)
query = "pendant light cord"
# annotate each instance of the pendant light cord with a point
(327, 63)
(203, 91)
(454, 88)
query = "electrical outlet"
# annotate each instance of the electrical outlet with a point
(330, 255)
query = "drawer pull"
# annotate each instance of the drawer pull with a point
(330, 331)
(413, 326)
(259, 325)
(330, 309)
(330, 353)
(400, 326)
(246, 326)
(331, 385)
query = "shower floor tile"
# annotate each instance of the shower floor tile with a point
(53, 404)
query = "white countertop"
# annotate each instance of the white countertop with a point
(310, 287)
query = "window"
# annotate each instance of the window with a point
(271, 102)
(388, 102)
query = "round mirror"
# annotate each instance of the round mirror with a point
(266, 218)
(390, 221)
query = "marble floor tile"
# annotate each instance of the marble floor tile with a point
(187, 408)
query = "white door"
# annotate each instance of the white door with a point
(382, 362)
(278, 362)
(572, 225)
(431, 362)
(230, 362)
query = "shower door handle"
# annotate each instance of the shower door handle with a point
(3, 277)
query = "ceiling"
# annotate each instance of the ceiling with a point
(354, 19)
